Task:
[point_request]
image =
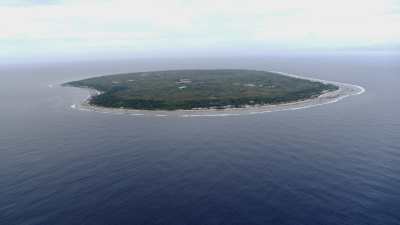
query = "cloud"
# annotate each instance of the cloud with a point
(66, 26)
(27, 2)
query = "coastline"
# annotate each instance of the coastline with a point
(345, 90)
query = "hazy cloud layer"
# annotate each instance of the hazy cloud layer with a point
(144, 27)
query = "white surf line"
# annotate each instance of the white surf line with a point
(161, 115)
(211, 115)
(308, 106)
(83, 109)
(136, 114)
(362, 89)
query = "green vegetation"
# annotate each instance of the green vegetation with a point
(188, 89)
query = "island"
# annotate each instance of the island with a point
(199, 89)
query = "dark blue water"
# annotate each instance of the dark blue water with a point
(333, 164)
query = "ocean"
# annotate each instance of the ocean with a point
(333, 164)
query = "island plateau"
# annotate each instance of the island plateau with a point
(199, 89)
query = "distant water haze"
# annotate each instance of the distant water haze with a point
(333, 164)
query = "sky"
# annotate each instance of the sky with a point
(85, 28)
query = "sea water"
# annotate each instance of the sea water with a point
(333, 164)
